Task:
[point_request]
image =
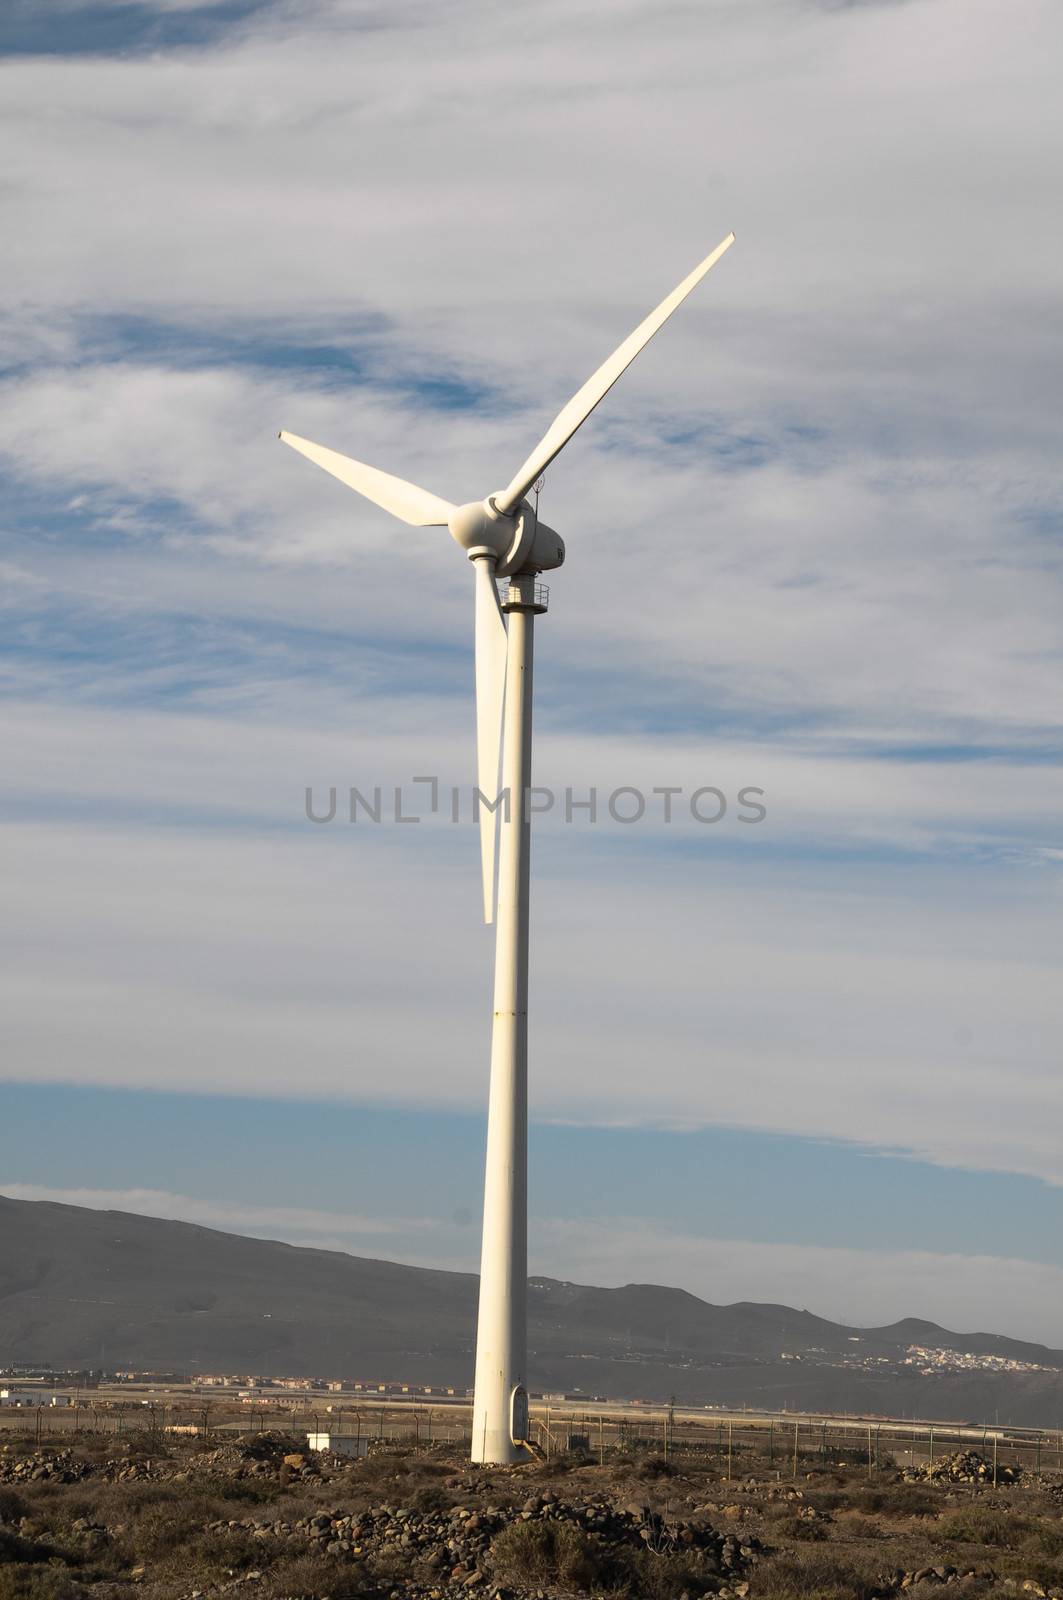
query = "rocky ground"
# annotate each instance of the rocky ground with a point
(145, 1519)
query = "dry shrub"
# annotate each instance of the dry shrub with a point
(667, 1577)
(1046, 1538)
(160, 1525)
(827, 1499)
(220, 1554)
(808, 1530)
(240, 1491)
(538, 1555)
(310, 1577)
(381, 1469)
(429, 1497)
(159, 1530)
(19, 1581)
(1038, 1555)
(895, 1500)
(813, 1575)
(857, 1527)
(976, 1525)
(12, 1505)
(14, 1548)
(1046, 1572)
(557, 1555)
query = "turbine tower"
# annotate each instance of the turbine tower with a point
(504, 539)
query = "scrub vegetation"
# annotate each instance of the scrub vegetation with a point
(150, 1519)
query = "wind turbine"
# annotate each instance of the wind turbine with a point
(503, 538)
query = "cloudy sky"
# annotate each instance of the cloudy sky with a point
(815, 546)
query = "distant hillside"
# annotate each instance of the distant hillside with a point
(81, 1288)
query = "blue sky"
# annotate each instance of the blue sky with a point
(814, 546)
(235, 1148)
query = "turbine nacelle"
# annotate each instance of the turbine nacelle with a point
(519, 542)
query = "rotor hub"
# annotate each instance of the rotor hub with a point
(518, 543)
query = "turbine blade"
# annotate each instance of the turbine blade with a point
(491, 649)
(404, 500)
(597, 387)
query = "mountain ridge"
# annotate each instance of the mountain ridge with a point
(81, 1288)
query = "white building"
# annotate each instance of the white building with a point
(339, 1444)
(32, 1397)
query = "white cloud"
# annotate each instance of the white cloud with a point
(201, 763)
(883, 342)
(906, 609)
(293, 1224)
(905, 1009)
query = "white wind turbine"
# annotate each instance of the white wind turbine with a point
(503, 538)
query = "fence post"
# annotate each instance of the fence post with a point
(730, 1448)
(771, 1443)
(994, 1461)
(796, 1426)
(870, 1455)
(931, 1450)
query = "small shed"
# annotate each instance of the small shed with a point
(339, 1444)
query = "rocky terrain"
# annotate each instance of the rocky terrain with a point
(155, 1520)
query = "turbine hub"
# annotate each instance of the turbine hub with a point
(478, 526)
(519, 543)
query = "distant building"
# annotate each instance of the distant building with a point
(32, 1397)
